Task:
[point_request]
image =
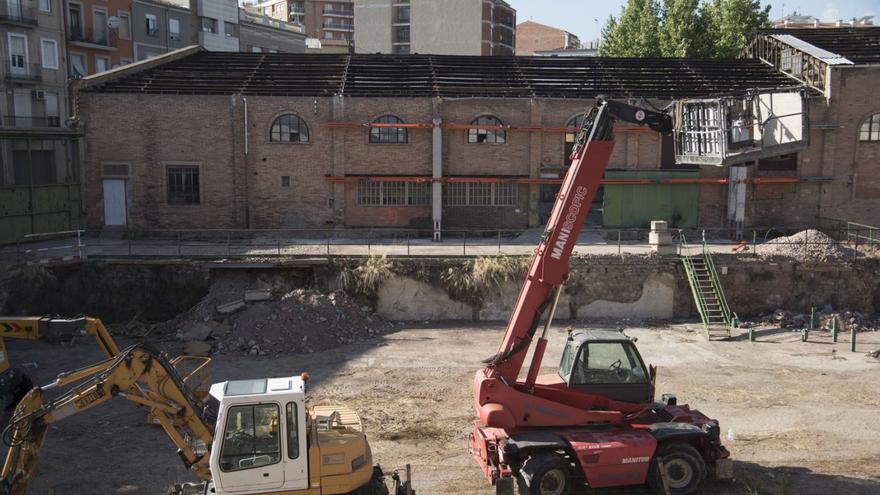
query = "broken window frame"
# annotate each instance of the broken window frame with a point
(286, 126)
(388, 135)
(869, 131)
(487, 136)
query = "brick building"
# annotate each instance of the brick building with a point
(98, 35)
(534, 37)
(296, 141)
(330, 22)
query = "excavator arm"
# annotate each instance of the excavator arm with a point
(139, 374)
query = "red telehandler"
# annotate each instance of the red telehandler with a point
(596, 422)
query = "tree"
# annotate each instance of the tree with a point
(636, 34)
(730, 24)
(683, 28)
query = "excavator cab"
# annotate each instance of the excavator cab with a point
(606, 363)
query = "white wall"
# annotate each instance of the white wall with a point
(372, 26)
(223, 11)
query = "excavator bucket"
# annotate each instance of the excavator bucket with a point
(736, 130)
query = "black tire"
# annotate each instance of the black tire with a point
(545, 473)
(14, 385)
(685, 469)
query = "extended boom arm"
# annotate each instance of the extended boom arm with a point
(550, 264)
(140, 374)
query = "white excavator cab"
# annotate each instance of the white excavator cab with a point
(260, 438)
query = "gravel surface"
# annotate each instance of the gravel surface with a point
(291, 320)
(807, 245)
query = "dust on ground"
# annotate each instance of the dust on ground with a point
(799, 418)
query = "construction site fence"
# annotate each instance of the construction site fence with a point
(252, 243)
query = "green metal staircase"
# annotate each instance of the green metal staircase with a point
(707, 291)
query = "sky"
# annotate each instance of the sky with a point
(585, 18)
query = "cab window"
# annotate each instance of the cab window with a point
(608, 362)
(292, 431)
(251, 438)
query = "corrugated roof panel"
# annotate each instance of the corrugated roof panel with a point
(371, 75)
(812, 50)
(861, 45)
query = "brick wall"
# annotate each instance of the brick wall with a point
(240, 190)
(532, 37)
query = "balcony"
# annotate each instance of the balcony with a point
(14, 12)
(90, 39)
(29, 73)
(338, 26)
(338, 12)
(16, 121)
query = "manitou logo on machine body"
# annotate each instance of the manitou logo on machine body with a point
(568, 224)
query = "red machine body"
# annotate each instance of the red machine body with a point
(612, 441)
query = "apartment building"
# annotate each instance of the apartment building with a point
(261, 33)
(217, 24)
(161, 26)
(532, 37)
(795, 21)
(39, 174)
(331, 23)
(99, 35)
(446, 27)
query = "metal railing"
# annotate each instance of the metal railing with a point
(105, 38)
(240, 243)
(18, 121)
(29, 72)
(332, 11)
(338, 25)
(866, 233)
(16, 12)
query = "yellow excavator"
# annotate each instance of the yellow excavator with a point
(15, 382)
(247, 437)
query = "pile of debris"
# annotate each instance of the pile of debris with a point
(807, 245)
(846, 320)
(259, 317)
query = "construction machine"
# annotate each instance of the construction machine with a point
(596, 421)
(248, 437)
(14, 381)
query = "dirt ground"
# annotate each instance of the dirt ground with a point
(799, 418)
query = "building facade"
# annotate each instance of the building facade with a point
(217, 24)
(39, 158)
(99, 35)
(161, 26)
(329, 23)
(261, 33)
(446, 27)
(534, 37)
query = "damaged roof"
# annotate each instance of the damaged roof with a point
(859, 45)
(368, 75)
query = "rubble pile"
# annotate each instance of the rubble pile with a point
(846, 320)
(807, 245)
(265, 318)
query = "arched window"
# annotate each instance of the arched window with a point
(289, 128)
(574, 125)
(385, 135)
(495, 136)
(870, 130)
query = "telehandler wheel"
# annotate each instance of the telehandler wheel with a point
(545, 473)
(685, 469)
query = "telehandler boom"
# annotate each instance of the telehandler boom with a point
(596, 422)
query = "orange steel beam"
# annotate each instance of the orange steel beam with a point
(514, 128)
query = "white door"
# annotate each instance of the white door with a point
(22, 105)
(17, 54)
(115, 207)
